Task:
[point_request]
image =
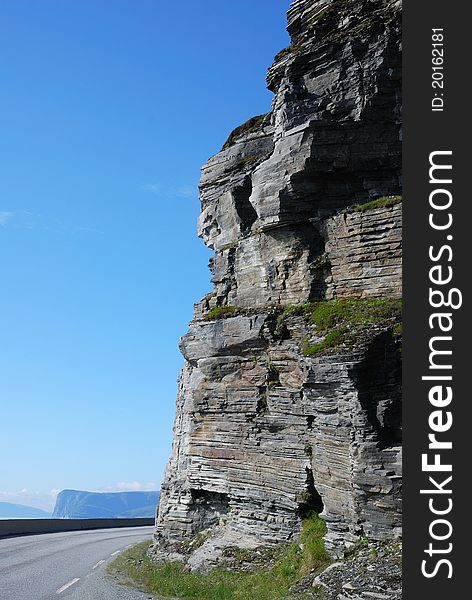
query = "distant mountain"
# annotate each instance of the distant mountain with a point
(76, 504)
(20, 511)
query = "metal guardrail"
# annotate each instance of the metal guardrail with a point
(13, 527)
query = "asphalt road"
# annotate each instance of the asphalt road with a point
(68, 565)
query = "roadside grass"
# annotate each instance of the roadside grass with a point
(271, 583)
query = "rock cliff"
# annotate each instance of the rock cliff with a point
(290, 400)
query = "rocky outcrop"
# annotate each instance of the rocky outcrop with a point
(371, 571)
(278, 414)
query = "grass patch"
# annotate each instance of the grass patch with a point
(293, 310)
(220, 312)
(292, 49)
(284, 52)
(270, 583)
(315, 555)
(198, 540)
(397, 330)
(333, 339)
(385, 202)
(250, 126)
(342, 320)
(359, 311)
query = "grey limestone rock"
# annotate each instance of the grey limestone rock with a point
(372, 571)
(263, 433)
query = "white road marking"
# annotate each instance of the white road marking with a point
(115, 553)
(100, 562)
(67, 585)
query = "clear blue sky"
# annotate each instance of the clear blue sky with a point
(108, 110)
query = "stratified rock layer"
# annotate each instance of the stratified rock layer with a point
(365, 253)
(263, 433)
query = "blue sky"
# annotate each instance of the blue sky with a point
(108, 110)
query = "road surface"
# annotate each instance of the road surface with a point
(69, 566)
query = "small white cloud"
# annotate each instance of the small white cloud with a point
(43, 500)
(5, 216)
(151, 188)
(19, 219)
(183, 191)
(186, 191)
(90, 230)
(131, 486)
(24, 219)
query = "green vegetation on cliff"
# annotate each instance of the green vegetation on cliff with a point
(220, 312)
(384, 202)
(333, 339)
(356, 311)
(341, 321)
(287, 565)
(250, 126)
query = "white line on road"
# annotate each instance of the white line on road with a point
(115, 553)
(67, 585)
(100, 562)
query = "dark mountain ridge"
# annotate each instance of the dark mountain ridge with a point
(78, 504)
(10, 510)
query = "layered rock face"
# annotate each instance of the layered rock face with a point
(270, 426)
